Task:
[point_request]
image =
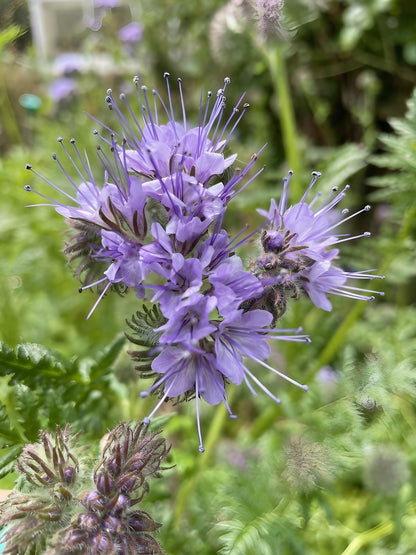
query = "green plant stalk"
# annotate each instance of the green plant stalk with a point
(274, 57)
(202, 462)
(367, 537)
(8, 116)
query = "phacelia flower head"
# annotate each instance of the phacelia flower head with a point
(157, 171)
(298, 248)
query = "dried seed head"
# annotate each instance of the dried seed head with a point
(308, 465)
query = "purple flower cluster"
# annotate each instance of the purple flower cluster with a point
(297, 247)
(155, 224)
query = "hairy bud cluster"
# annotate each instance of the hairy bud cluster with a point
(103, 519)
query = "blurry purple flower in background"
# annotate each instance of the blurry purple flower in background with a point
(68, 63)
(132, 32)
(62, 88)
(107, 3)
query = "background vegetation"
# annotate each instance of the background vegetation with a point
(327, 472)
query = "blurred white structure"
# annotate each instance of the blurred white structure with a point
(58, 25)
(60, 28)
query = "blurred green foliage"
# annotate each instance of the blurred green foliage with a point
(327, 472)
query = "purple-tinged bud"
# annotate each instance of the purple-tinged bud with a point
(120, 506)
(93, 501)
(70, 475)
(88, 521)
(75, 539)
(142, 522)
(127, 482)
(111, 523)
(101, 543)
(104, 483)
(273, 241)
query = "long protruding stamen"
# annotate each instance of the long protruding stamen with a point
(29, 189)
(123, 98)
(81, 289)
(365, 234)
(29, 167)
(365, 209)
(263, 387)
(198, 420)
(182, 103)
(99, 299)
(287, 378)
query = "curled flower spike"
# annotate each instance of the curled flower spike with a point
(298, 253)
(65, 513)
(157, 169)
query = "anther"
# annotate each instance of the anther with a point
(122, 97)
(109, 92)
(27, 188)
(246, 105)
(59, 139)
(179, 80)
(80, 290)
(366, 234)
(146, 420)
(345, 211)
(144, 394)
(72, 141)
(108, 99)
(233, 416)
(367, 207)
(54, 156)
(316, 174)
(143, 88)
(95, 132)
(200, 448)
(227, 81)
(28, 167)
(290, 173)
(166, 75)
(136, 79)
(334, 189)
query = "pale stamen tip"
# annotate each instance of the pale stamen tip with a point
(290, 173)
(28, 167)
(59, 139)
(233, 416)
(367, 234)
(146, 420)
(166, 75)
(305, 387)
(201, 449)
(144, 394)
(27, 188)
(367, 207)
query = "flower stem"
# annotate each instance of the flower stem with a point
(188, 485)
(275, 59)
